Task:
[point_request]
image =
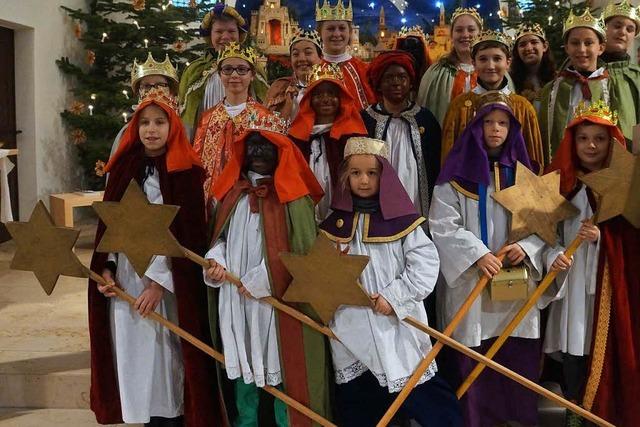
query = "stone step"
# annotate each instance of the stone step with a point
(23, 417)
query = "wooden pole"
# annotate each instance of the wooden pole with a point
(485, 361)
(210, 351)
(533, 299)
(430, 357)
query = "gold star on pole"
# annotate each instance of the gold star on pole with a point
(325, 278)
(45, 249)
(137, 228)
(536, 205)
(618, 187)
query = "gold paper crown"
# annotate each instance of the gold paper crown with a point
(415, 31)
(308, 35)
(586, 20)
(272, 122)
(325, 70)
(492, 36)
(494, 97)
(599, 109)
(152, 67)
(472, 12)
(234, 50)
(334, 13)
(364, 145)
(161, 95)
(622, 9)
(534, 29)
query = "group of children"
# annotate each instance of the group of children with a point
(368, 167)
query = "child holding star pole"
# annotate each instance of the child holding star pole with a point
(377, 353)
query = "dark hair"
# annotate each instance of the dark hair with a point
(519, 75)
(314, 45)
(489, 44)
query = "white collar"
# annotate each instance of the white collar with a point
(320, 129)
(254, 177)
(479, 90)
(343, 57)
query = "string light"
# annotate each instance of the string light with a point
(550, 18)
(90, 110)
(136, 24)
(124, 117)
(125, 93)
(93, 96)
(104, 36)
(146, 43)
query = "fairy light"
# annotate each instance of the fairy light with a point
(90, 110)
(136, 24)
(104, 36)
(146, 43)
(124, 117)
(125, 93)
(93, 96)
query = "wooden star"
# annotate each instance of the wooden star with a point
(45, 249)
(618, 187)
(325, 279)
(536, 205)
(137, 228)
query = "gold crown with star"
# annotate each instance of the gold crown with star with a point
(471, 11)
(234, 50)
(494, 97)
(586, 20)
(415, 31)
(622, 9)
(323, 71)
(492, 36)
(530, 29)
(599, 109)
(162, 96)
(153, 67)
(364, 145)
(306, 35)
(270, 122)
(339, 12)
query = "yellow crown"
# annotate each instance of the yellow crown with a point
(472, 12)
(234, 50)
(339, 12)
(161, 95)
(586, 20)
(272, 122)
(323, 71)
(152, 67)
(599, 109)
(494, 97)
(415, 31)
(533, 29)
(492, 36)
(364, 145)
(308, 35)
(622, 9)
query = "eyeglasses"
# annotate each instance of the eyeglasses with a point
(227, 70)
(149, 86)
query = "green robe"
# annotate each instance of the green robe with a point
(624, 88)
(435, 88)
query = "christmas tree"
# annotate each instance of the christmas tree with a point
(114, 33)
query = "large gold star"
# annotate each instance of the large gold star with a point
(618, 187)
(137, 228)
(45, 249)
(325, 279)
(536, 205)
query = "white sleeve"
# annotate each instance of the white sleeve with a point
(256, 281)
(160, 272)
(419, 276)
(218, 254)
(533, 246)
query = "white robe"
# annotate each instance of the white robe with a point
(148, 357)
(247, 325)
(572, 295)
(455, 229)
(402, 158)
(319, 164)
(404, 272)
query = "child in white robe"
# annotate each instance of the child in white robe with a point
(377, 352)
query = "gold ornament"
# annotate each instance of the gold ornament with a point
(470, 11)
(494, 36)
(138, 5)
(161, 95)
(153, 67)
(78, 136)
(234, 50)
(91, 57)
(622, 9)
(334, 13)
(364, 145)
(494, 97)
(325, 71)
(586, 20)
(599, 109)
(77, 108)
(415, 31)
(77, 30)
(99, 168)
(533, 29)
(267, 122)
(308, 35)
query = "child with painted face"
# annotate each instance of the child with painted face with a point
(328, 116)
(491, 53)
(468, 226)
(622, 24)
(591, 327)
(142, 373)
(584, 79)
(266, 195)
(377, 353)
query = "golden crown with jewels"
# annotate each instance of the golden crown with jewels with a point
(492, 36)
(530, 29)
(323, 71)
(471, 11)
(364, 145)
(153, 67)
(599, 109)
(160, 95)
(339, 12)
(271, 122)
(586, 20)
(308, 35)
(622, 9)
(415, 31)
(234, 50)
(494, 97)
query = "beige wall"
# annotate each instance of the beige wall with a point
(43, 33)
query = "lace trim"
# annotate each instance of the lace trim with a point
(272, 378)
(350, 372)
(353, 371)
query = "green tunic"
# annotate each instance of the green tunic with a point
(624, 88)
(435, 88)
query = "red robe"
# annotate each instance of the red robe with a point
(355, 79)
